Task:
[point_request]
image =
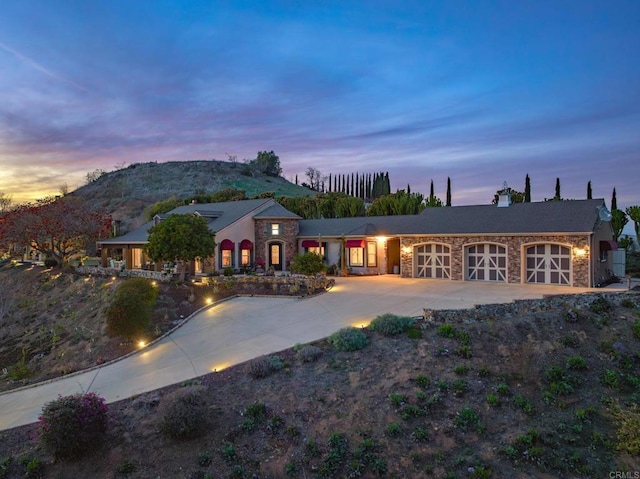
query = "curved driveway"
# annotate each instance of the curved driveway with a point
(234, 331)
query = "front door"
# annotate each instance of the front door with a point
(275, 256)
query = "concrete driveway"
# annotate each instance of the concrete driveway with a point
(243, 328)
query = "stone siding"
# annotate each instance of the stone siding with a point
(515, 254)
(288, 237)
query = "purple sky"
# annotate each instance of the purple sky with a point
(480, 91)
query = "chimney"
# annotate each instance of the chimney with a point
(504, 196)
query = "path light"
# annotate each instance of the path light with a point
(141, 344)
(113, 278)
(219, 367)
(154, 283)
(361, 324)
(209, 300)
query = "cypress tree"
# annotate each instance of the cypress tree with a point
(448, 191)
(589, 192)
(527, 189)
(557, 196)
(296, 179)
(408, 189)
(431, 192)
(387, 184)
(614, 200)
(329, 182)
(352, 186)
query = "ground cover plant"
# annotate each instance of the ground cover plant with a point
(527, 403)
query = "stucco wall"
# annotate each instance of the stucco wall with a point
(515, 253)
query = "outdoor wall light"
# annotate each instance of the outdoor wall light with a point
(381, 239)
(579, 252)
(406, 249)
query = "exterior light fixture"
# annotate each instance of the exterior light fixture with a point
(579, 252)
(141, 344)
(209, 300)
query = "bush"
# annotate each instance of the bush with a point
(307, 263)
(467, 419)
(447, 331)
(576, 362)
(228, 271)
(600, 305)
(263, 366)
(348, 339)
(636, 330)
(390, 324)
(71, 426)
(130, 310)
(183, 413)
(309, 353)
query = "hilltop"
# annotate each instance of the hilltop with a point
(128, 191)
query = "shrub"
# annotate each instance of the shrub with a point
(600, 305)
(263, 366)
(461, 369)
(348, 339)
(131, 308)
(459, 387)
(393, 429)
(446, 331)
(524, 405)
(610, 378)
(309, 353)
(466, 419)
(307, 263)
(391, 324)
(71, 426)
(628, 429)
(492, 400)
(183, 413)
(422, 381)
(636, 330)
(576, 362)
(228, 271)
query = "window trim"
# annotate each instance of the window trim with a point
(372, 245)
(360, 260)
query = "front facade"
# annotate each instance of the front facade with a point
(556, 242)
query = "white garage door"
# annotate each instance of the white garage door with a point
(433, 261)
(487, 262)
(549, 264)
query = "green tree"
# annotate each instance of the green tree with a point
(634, 214)
(589, 191)
(399, 203)
(180, 238)
(448, 191)
(614, 200)
(557, 196)
(527, 189)
(516, 196)
(268, 163)
(163, 206)
(618, 221)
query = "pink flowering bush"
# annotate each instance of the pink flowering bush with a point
(71, 426)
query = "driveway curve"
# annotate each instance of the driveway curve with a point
(240, 329)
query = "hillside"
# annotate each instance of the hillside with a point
(128, 191)
(533, 389)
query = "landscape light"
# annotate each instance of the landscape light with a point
(141, 344)
(209, 300)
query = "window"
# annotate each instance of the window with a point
(356, 256)
(245, 257)
(275, 229)
(319, 250)
(372, 253)
(226, 258)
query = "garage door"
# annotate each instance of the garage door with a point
(549, 264)
(433, 261)
(487, 262)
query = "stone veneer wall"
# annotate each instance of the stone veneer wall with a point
(288, 237)
(580, 266)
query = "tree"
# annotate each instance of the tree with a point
(5, 202)
(131, 308)
(516, 196)
(431, 191)
(315, 178)
(399, 203)
(268, 163)
(56, 227)
(589, 192)
(180, 238)
(614, 200)
(557, 196)
(94, 175)
(307, 263)
(618, 221)
(634, 214)
(527, 189)
(448, 203)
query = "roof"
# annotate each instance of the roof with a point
(276, 211)
(571, 216)
(218, 216)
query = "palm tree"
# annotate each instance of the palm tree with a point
(634, 214)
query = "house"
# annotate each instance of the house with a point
(553, 242)
(246, 233)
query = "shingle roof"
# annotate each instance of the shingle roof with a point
(571, 216)
(218, 215)
(276, 211)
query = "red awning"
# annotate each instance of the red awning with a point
(226, 245)
(310, 244)
(246, 244)
(354, 243)
(608, 246)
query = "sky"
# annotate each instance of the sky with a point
(479, 91)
